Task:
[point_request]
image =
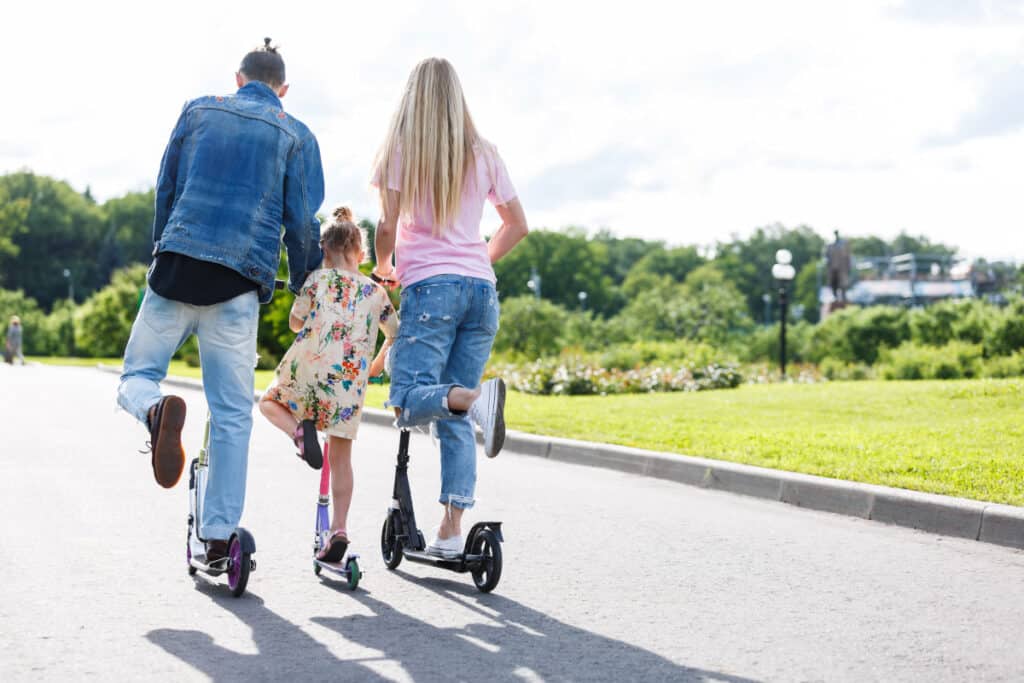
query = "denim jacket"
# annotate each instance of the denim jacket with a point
(236, 168)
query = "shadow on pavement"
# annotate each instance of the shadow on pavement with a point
(518, 644)
(284, 651)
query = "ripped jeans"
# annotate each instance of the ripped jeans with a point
(227, 353)
(444, 340)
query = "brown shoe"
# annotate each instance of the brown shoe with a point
(166, 422)
(216, 551)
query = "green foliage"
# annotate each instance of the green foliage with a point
(47, 227)
(955, 360)
(531, 327)
(706, 307)
(747, 264)
(1007, 333)
(857, 335)
(762, 344)
(567, 262)
(104, 322)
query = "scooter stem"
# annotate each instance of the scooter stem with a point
(325, 471)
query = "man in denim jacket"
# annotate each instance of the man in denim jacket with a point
(236, 169)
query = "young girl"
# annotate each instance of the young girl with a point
(434, 173)
(321, 381)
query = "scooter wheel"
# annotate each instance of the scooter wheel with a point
(241, 562)
(353, 573)
(390, 548)
(487, 545)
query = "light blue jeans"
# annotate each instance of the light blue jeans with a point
(444, 340)
(227, 352)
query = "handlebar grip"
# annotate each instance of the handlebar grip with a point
(279, 284)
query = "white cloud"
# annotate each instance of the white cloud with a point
(685, 122)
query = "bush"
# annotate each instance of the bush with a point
(955, 360)
(833, 369)
(1007, 333)
(529, 326)
(858, 335)
(763, 343)
(104, 322)
(643, 353)
(999, 367)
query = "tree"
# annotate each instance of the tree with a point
(60, 230)
(747, 264)
(128, 234)
(567, 263)
(530, 327)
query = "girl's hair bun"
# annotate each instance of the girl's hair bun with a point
(343, 213)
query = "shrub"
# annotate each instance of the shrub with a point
(1007, 334)
(999, 367)
(858, 335)
(833, 369)
(530, 326)
(104, 322)
(955, 360)
(763, 343)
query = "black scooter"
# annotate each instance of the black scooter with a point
(400, 537)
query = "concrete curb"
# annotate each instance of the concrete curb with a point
(944, 515)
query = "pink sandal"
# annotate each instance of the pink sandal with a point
(337, 544)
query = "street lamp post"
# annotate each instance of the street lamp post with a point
(783, 271)
(583, 300)
(534, 282)
(71, 311)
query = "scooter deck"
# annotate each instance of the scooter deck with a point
(215, 569)
(460, 563)
(337, 567)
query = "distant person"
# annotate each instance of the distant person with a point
(236, 168)
(321, 381)
(12, 346)
(434, 173)
(839, 261)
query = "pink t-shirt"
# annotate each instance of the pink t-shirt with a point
(460, 249)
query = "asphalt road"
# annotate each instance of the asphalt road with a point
(608, 576)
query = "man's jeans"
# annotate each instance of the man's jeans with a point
(444, 340)
(227, 351)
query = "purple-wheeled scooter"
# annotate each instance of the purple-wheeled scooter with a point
(241, 545)
(349, 565)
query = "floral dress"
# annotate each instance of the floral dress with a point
(323, 375)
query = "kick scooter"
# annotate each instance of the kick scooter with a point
(400, 537)
(349, 566)
(241, 545)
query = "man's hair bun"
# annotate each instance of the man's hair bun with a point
(343, 213)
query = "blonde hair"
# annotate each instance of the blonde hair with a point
(435, 134)
(341, 236)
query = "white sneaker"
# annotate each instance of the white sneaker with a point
(446, 547)
(488, 412)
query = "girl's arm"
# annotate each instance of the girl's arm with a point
(384, 238)
(513, 229)
(377, 365)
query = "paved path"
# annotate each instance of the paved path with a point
(608, 576)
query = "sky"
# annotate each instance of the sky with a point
(686, 122)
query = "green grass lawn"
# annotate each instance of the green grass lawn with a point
(963, 438)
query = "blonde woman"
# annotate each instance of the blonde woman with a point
(434, 173)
